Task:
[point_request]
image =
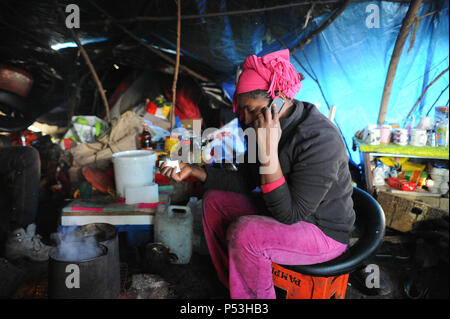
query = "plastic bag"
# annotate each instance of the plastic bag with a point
(225, 144)
(395, 162)
(412, 171)
(85, 129)
(378, 176)
(158, 133)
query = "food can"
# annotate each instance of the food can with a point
(442, 134)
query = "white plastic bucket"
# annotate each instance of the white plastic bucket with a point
(133, 169)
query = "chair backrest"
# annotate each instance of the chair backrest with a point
(369, 224)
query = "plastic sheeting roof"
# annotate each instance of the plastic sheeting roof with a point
(349, 59)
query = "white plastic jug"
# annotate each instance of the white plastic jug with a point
(133, 169)
(173, 228)
(198, 237)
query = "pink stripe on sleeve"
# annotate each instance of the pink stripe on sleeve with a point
(266, 188)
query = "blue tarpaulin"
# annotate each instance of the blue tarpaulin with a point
(345, 65)
(351, 57)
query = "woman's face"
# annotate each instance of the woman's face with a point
(250, 108)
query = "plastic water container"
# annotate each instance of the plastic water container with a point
(198, 238)
(133, 169)
(173, 228)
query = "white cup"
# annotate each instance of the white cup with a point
(373, 136)
(400, 136)
(367, 129)
(418, 137)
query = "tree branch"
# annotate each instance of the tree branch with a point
(323, 26)
(425, 90)
(175, 73)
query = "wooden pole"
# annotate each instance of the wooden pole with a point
(91, 68)
(177, 65)
(398, 48)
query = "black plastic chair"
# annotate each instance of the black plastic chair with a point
(329, 279)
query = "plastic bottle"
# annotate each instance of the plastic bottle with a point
(171, 144)
(145, 139)
(195, 150)
(174, 229)
(442, 133)
(408, 124)
(184, 151)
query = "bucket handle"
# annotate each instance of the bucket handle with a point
(172, 207)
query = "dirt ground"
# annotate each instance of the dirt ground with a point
(412, 268)
(197, 280)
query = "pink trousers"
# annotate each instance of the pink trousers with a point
(243, 245)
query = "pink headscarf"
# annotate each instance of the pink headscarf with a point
(273, 72)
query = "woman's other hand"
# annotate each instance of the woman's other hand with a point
(170, 172)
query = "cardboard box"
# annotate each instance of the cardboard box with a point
(404, 214)
(165, 124)
(157, 121)
(197, 128)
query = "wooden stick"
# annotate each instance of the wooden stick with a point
(157, 52)
(323, 26)
(175, 74)
(308, 16)
(332, 113)
(91, 68)
(398, 48)
(423, 93)
(427, 14)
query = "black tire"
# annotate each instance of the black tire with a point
(15, 116)
(13, 101)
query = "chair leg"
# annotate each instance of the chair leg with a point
(299, 286)
(304, 291)
(321, 289)
(341, 287)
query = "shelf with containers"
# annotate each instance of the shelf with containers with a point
(416, 144)
(438, 155)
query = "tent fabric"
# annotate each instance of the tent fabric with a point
(351, 60)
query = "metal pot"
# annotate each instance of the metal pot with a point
(107, 235)
(78, 279)
(157, 258)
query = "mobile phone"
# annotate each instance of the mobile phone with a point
(278, 102)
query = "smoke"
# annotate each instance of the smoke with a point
(71, 246)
